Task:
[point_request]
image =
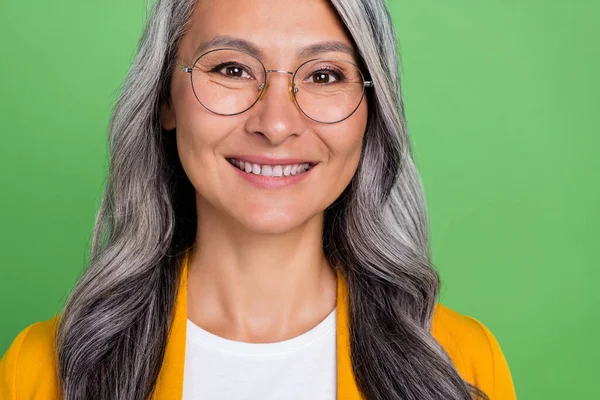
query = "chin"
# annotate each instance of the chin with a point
(271, 221)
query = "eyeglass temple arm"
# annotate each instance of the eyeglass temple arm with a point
(183, 67)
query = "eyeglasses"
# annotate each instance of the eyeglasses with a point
(230, 82)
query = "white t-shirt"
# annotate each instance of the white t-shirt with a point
(300, 368)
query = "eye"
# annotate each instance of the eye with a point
(231, 70)
(325, 76)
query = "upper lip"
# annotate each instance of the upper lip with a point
(265, 160)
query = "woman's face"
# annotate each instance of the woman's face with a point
(272, 130)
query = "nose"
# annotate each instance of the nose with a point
(276, 115)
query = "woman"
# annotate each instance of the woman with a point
(263, 233)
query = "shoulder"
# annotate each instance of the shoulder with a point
(28, 369)
(475, 352)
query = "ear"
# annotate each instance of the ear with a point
(167, 117)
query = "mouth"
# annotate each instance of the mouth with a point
(275, 170)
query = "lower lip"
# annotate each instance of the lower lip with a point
(271, 182)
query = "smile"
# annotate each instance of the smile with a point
(271, 170)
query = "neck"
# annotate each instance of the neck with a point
(255, 287)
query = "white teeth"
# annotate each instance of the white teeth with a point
(266, 170)
(301, 168)
(270, 170)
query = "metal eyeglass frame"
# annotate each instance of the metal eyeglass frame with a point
(264, 85)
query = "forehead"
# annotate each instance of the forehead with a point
(278, 28)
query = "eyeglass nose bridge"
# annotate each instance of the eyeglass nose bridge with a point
(265, 85)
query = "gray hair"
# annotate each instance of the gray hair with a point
(114, 327)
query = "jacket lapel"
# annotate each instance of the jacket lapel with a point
(346, 386)
(169, 385)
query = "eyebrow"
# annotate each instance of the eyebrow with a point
(305, 52)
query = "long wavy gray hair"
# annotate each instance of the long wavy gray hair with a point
(113, 331)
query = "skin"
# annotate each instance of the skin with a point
(257, 272)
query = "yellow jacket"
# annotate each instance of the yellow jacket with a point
(27, 369)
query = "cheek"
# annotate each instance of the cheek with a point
(193, 121)
(195, 124)
(199, 134)
(345, 144)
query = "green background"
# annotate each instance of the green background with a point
(501, 99)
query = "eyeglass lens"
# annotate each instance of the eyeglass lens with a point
(229, 82)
